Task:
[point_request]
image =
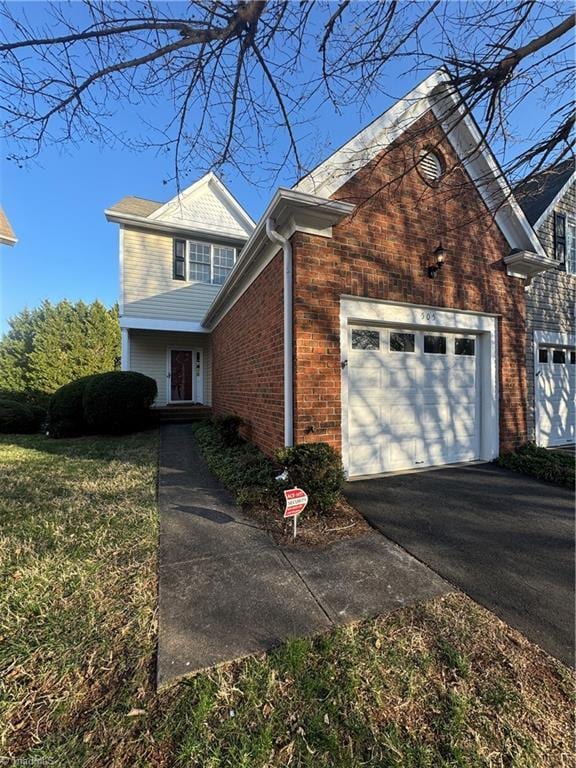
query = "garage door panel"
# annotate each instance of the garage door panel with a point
(555, 398)
(410, 409)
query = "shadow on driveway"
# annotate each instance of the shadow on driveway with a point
(505, 539)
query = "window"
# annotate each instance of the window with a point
(572, 357)
(199, 262)
(401, 342)
(202, 262)
(560, 237)
(571, 246)
(365, 340)
(464, 347)
(542, 355)
(179, 263)
(558, 356)
(223, 261)
(435, 345)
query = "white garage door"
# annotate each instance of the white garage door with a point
(412, 399)
(555, 395)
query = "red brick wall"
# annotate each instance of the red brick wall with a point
(382, 252)
(248, 359)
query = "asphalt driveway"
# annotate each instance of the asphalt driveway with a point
(505, 539)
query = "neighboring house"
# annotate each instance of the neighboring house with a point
(386, 319)
(549, 202)
(7, 236)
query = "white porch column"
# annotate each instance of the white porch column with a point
(125, 353)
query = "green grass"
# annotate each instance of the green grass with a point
(551, 466)
(439, 685)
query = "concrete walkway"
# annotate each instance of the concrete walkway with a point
(227, 591)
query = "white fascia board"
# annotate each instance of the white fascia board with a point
(156, 324)
(4, 240)
(345, 162)
(145, 223)
(555, 201)
(482, 167)
(292, 211)
(526, 264)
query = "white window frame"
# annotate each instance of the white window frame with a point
(212, 247)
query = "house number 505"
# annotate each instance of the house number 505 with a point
(428, 315)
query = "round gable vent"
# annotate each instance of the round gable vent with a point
(430, 165)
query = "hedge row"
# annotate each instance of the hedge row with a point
(105, 403)
(251, 476)
(20, 418)
(552, 466)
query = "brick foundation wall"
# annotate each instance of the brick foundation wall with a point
(248, 359)
(382, 252)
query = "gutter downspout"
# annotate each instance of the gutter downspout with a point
(276, 237)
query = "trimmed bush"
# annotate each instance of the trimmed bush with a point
(26, 396)
(229, 429)
(242, 468)
(552, 466)
(17, 418)
(118, 401)
(317, 469)
(66, 410)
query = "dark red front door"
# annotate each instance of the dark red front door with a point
(180, 374)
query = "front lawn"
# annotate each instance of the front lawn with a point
(556, 467)
(443, 684)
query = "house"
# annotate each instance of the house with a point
(549, 202)
(7, 236)
(378, 305)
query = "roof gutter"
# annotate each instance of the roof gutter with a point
(276, 237)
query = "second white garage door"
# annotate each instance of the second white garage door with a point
(412, 399)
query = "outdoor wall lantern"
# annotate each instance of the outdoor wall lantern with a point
(440, 256)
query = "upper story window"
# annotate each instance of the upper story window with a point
(571, 246)
(565, 241)
(201, 262)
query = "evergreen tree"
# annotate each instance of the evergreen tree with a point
(53, 344)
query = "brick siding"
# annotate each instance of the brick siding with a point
(248, 359)
(383, 252)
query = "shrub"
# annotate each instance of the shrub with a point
(552, 466)
(242, 468)
(17, 418)
(229, 429)
(118, 401)
(27, 397)
(66, 410)
(317, 469)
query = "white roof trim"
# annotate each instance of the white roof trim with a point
(6, 240)
(209, 178)
(559, 195)
(171, 228)
(437, 93)
(292, 211)
(130, 322)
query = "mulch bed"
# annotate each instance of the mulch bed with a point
(344, 522)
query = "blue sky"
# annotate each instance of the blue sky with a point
(66, 248)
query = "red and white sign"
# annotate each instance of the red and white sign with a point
(296, 500)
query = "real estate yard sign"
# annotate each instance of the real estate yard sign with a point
(296, 500)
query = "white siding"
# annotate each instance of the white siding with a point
(148, 287)
(148, 355)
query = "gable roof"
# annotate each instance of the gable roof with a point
(206, 207)
(438, 94)
(542, 191)
(7, 236)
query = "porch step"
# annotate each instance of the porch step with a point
(182, 414)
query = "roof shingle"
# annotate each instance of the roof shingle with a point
(137, 206)
(536, 195)
(6, 232)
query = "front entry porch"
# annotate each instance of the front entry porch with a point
(180, 363)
